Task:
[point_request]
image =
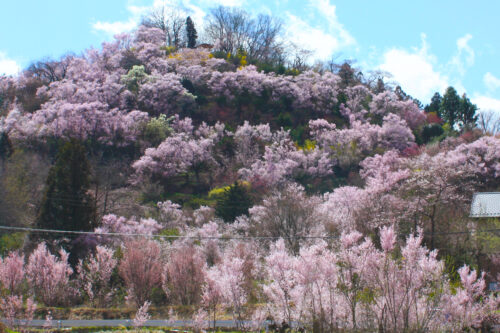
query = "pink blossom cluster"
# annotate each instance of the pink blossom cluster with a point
(357, 286)
(348, 283)
(186, 149)
(122, 225)
(282, 161)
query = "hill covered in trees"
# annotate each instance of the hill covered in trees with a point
(267, 187)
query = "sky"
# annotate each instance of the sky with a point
(425, 45)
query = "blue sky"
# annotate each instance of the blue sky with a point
(425, 45)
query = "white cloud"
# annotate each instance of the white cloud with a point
(185, 7)
(113, 28)
(491, 82)
(328, 12)
(227, 3)
(322, 44)
(415, 71)
(465, 55)
(485, 103)
(325, 38)
(8, 66)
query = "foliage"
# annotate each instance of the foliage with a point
(157, 129)
(234, 202)
(66, 204)
(11, 242)
(191, 33)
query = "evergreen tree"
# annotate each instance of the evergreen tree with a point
(467, 113)
(233, 203)
(401, 94)
(66, 204)
(5, 146)
(450, 106)
(191, 33)
(380, 87)
(435, 104)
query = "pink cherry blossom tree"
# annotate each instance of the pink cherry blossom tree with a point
(140, 268)
(49, 276)
(184, 274)
(12, 272)
(94, 275)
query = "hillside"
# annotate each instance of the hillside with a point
(254, 182)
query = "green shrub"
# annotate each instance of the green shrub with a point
(234, 202)
(11, 242)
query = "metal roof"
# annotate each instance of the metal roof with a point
(486, 204)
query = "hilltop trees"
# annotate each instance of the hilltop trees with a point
(467, 115)
(450, 106)
(453, 109)
(191, 33)
(168, 20)
(232, 29)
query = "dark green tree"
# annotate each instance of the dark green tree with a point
(5, 146)
(380, 86)
(467, 113)
(233, 203)
(435, 104)
(191, 33)
(431, 131)
(66, 204)
(450, 106)
(401, 94)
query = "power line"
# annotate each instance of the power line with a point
(118, 234)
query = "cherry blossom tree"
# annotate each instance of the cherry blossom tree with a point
(142, 315)
(229, 277)
(211, 299)
(288, 213)
(184, 274)
(188, 149)
(121, 225)
(94, 275)
(280, 290)
(49, 276)
(469, 306)
(140, 268)
(12, 272)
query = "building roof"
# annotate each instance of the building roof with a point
(486, 204)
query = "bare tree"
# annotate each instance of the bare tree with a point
(264, 35)
(299, 57)
(288, 213)
(489, 122)
(48, 71)
(232, 29)
(170, 20)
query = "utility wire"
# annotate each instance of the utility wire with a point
(118, 234)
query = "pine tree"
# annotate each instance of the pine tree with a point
(234, 202)
(467, 113)
(191, 33)
(450, 106)
(5, 146)
(66, 204)
(435, 104)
